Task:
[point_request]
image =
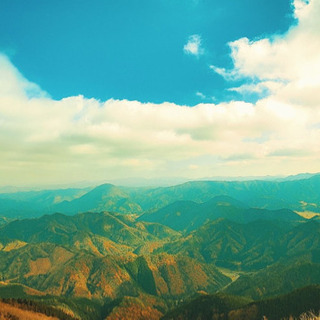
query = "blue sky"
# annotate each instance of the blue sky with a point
(133, 49)
(105, 90)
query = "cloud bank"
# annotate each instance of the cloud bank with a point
(48, 141)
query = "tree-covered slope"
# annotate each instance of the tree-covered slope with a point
(250, 246)
(225, 307)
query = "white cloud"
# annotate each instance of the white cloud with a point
(12, 83)
(291, 59)
(43, 140)
(300, 8)
(193, 45)
(262, 87)
(200, 95)
(229, 75)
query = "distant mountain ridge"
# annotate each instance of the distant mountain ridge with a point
(189, 215)
(104, 197)
(299, 195)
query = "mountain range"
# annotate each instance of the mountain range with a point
(298, 195)
(144, 253)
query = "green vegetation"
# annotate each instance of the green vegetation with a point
(38, 307)
(141, 273)
(207, 307)
(190, 240)
(188, 215)
(278, 278)
(224, 307)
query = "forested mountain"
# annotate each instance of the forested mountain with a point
(189, 215)
(156, 249)
(113, 256)
(226, 307)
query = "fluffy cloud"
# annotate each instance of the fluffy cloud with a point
(47, 141)
(287, 64)
(193, 46)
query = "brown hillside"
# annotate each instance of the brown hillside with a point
(9, 312)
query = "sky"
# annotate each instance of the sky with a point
(116, 89)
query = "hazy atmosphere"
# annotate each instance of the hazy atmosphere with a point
(101, 90)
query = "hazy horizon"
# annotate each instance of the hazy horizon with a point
(136, 182)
